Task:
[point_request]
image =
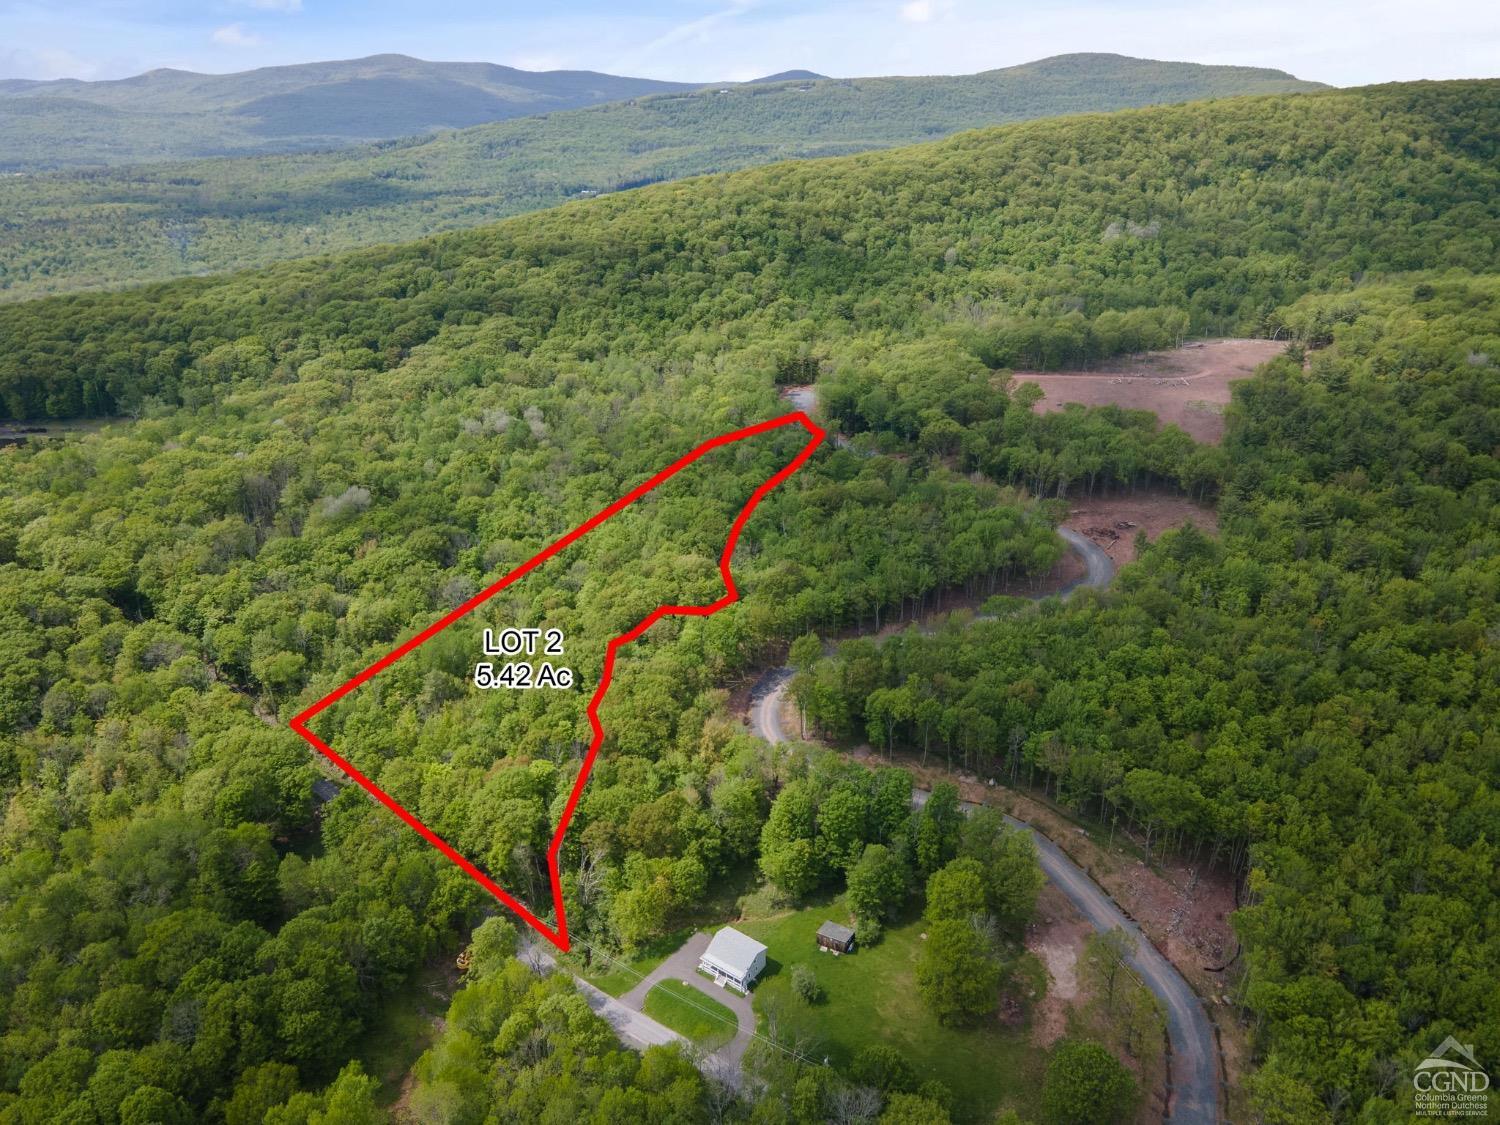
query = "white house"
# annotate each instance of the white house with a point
(733, 959)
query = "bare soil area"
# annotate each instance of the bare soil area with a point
(1114, 521)
(1056, 936)
(1186, 386)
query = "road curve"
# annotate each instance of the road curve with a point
(1101, 568)
(765, 705)
(1193, 1081)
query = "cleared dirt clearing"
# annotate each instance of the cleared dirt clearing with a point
(1188, 386)
(1113, 521)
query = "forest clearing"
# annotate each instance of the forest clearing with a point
(1113, 522)
(1187, 387)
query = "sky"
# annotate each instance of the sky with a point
(1341, 42)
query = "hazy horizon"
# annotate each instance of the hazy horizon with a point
(1340, 43)
(707, 80)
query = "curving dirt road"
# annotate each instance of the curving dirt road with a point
(1193, 1082)
(765, 705)
(1101, 568)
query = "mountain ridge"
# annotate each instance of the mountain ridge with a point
(296, 75)
(92, 229)
(172, 114)
(181, 114)
(789, 76)
(1072, 61)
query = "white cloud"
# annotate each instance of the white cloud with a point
(45, 64)
(276, 5)
(236, 35)
(925, 11)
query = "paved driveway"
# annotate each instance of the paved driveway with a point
(631, 1026)
(683, 966)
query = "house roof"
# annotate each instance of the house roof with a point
(324, 790)
(733, 950)
(834, 932)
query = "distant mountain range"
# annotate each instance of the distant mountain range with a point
(173, 114)
(177, 114)
(63, 231)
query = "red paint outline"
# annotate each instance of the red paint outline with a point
(559, 936)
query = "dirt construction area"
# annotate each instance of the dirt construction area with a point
(1113, 522)
(1187, 386)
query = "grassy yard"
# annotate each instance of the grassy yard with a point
(617, 974)
(688, 1012)
(871, 997)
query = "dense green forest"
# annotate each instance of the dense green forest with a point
(1003, 245)
(320, 458)
(91, 229)
(138, 692)
(1313, 695)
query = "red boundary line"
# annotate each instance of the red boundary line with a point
(559, 936)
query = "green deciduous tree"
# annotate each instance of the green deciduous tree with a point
(1007, 857)
(843, 825)
(956, 892)
(1085, 1085)
(788, 856)
(913, 1109)
(937, 828)
(958, 974)
(258, 1090)
(877, 883)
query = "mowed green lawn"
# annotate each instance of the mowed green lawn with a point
(617, 974)
(871, 997)
(688, 1012)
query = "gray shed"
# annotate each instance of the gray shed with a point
(835, 938)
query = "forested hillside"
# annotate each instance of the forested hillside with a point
(320, 458)
(177, 114)
(1314, 695)
(1051, 244)
(87, 230)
